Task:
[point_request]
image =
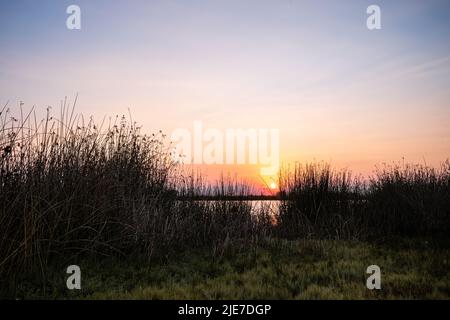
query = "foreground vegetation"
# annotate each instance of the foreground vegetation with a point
(73, 190)
(302, 269)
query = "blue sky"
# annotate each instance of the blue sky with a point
(337, 90)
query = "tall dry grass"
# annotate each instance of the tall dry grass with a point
(320, 201)
(69, 187)
(402, 200)
(411, 200)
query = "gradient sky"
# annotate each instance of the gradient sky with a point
(337, 91)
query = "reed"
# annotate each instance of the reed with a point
(410, 200)
(70, 187)
(400, 200)
(320, 201)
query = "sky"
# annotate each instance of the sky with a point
(337, 91)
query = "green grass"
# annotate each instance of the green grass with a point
(304, 269)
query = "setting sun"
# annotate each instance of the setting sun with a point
(252, 150)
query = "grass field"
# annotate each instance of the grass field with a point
(279, 270)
